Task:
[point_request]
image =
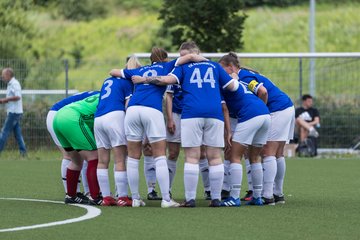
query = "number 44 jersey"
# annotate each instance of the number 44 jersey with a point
(201, 83)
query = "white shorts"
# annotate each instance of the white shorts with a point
(140, 121)
(109, 130)
(176, 137)
(49, 124)
(202, 131)
(282, 125)
(233, 123)
(253, 131)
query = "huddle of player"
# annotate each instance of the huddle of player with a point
(210, 106)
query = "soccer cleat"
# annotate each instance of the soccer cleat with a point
(279, 199)
(313, 132)
(153, 196)
(97, 201)
(138, 203)
(207, 195)
(124, 202)
(76, 200)
(255, 202)
(108, 201)
(169, 204)
(190, 203)
(225, 194)
(215, 203)
(231, 202)
(268, 201)
(248, 196)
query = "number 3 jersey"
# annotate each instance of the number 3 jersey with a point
(113, 95)
(149, 95)
(201, 83)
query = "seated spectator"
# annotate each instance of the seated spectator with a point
(307, 118)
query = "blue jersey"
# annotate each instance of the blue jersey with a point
(277, 100)
(177, 104)
(201, 83)
(77, 97)
(113, 95)
(149, 95)
(244, 104)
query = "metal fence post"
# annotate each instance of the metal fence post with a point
(66, 65)
(300, 79)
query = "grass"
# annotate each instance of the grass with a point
(321, 203)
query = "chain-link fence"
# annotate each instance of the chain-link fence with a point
(336, 87)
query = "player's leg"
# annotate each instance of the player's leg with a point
(204, 171)
(249, 192)
(225, 193)
(149, 170)
(191, 174)
(173, 154)
(280, 159)
(257, 175)
(173, 145)
(120, 176)
(134, 134)
(191, 140)
(63, 124)
(214, 141)
(154, 125)
(280, 175)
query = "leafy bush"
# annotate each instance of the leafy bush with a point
(82, 10)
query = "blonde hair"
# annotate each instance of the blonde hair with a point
(190, 46)
(133, 62)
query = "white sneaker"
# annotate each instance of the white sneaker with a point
(169, 204)
(313, 132)
(138, 203)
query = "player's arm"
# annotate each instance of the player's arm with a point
(170, 124)
(259, 90)
(227, 124)
(262, 94)
(232, 85)
(157, 80)
(117, 73)
(190, 58)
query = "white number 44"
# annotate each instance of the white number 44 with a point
(208, 77)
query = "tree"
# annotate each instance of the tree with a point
(214, 25)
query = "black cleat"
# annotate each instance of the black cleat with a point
(97, 201)
(153, 196)
(207, 195)
(215, 203)
(268, 201)
(76, 199)
(189, 204)
(248, 196)
(225, 194)
(279, 199)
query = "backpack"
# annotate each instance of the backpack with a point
(307, 148)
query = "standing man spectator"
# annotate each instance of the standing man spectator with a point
(14, 110)
(307, 118)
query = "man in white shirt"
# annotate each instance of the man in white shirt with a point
(14, 110)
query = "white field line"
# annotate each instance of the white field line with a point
(92, 212)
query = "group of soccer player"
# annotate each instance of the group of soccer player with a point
(210, 107)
